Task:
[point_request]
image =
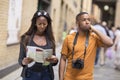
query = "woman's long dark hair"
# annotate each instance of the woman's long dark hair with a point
(33, 28)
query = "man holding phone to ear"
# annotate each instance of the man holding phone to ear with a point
(79, 50)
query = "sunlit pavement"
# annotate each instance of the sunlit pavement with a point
(106, 72)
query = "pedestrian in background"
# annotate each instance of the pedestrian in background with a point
(110, 54)
(79, 50)
(39, 35)
(73, 29)
(99, 27)
(102, 55)
(117, 49)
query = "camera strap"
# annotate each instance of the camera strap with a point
(86, 43)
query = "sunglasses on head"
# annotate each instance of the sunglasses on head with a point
(44, 13)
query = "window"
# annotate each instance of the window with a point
(14, 21)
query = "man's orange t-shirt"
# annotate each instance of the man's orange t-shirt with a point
(87, 72)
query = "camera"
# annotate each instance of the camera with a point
(78, 64)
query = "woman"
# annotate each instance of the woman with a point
(38, 35)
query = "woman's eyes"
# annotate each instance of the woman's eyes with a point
(42, 24)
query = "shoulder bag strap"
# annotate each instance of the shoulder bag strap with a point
(86, 43)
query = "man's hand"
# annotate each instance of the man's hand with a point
(104, 38)
(92, 28)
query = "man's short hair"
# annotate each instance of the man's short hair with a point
(79, 14)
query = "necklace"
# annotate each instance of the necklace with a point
(40, 40)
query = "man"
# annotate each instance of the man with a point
(83, 52)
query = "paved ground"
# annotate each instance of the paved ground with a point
(106, 72)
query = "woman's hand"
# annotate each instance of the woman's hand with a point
(27, 60)
(52, 59)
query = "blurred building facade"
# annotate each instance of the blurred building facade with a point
(63, 13)
(108, 11)
(15, 19)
